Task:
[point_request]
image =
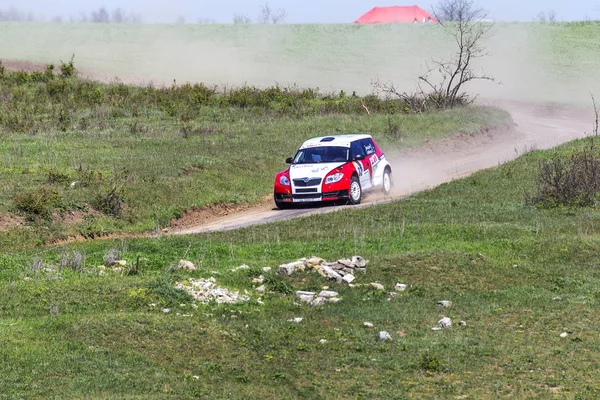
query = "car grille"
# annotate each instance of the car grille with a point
(315, 190)
(309, 182)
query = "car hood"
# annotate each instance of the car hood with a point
(318, 170)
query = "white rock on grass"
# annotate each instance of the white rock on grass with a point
(323, 341)
(377, 285)
(334, 300)
(400, 287)
(383, 336)
(319, 301)
(445, 322)
(206, 291)
(445, 303)
(260, 289)
(564, 335)
(267, 269)
(368, 325)
(122, 263)
(260, 279)
(328, 294)
(348, 278)
(241, 267)
(187, 265)
(305, 297)
(296, 320)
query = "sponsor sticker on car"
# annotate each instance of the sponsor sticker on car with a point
(307, 200)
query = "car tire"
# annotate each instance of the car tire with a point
(282, 205)
(355, 192)
(387, 181)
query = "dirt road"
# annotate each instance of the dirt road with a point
(414, 170)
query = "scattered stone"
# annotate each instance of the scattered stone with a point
(296, 320)
(564, 335)
(391, 295)
(27, 278)
(314, 261)
(445, 303)
(377, 286)
(305, 297)
(241, 267)
(330, 273)
(122, 263)
(322, 341)
(166, 310)
(368, 325)
(152, 304)
(319, 301)
(462, 323)
(196, 377)
(260, 289)
(358, 262)
(328, 294)
(260, 279)
(445, 322)
(556, 298)
(436, 328)
(187, 265)
(101, 267)
(259, 301)
(330, 270)
(383, 336)
(267, 269)
(206, 290)
(400, 287)
(334, 300)
(117, 269)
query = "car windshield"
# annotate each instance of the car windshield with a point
(323, 154)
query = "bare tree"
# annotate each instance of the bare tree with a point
(443, 84)
(268, 15)
(458, 10)
(241, 19)
(541, 17)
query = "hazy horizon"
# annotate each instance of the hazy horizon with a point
(307, 11)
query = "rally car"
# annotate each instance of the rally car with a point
(333, 168)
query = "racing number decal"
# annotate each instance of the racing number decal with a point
(359, 167)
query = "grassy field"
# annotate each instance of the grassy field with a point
(519, 276)
(542, 62)
(67, 144)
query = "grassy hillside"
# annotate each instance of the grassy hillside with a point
(83, 158)
(518, 276)
(548, 62)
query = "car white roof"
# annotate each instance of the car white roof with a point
(334, 140)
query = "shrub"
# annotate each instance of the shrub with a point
(67, 69)
(111, 257)
(111, 196)
(74, 261)
(569, 181)
(55, 176)
(37, 203)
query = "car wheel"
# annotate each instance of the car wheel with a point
(355, 192)
(387, 181)
(282, 205)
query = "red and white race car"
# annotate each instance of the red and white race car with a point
(333, 168)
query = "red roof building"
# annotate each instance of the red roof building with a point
(387, 15)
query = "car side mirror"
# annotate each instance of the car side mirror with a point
(289, 160)
(359, 157)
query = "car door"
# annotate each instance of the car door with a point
(362, 166)
(371, 159)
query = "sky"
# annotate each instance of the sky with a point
(297, 11)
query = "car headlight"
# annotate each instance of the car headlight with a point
(284, 180)
(334, 178)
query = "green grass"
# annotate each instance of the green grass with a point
(549, 62)
(518, 276)
(170, 149)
